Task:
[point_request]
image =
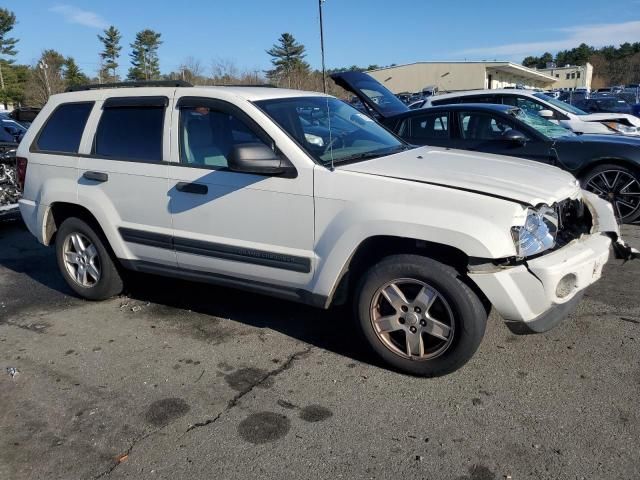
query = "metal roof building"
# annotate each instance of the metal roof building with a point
(455, 76)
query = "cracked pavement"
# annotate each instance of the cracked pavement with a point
(180, 380)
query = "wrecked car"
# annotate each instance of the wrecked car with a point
(9, 190)
(224, 185)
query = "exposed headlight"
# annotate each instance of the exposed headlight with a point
(622, 128)
(538, 232)
(314, 139)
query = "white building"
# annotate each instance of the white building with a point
(570, 77)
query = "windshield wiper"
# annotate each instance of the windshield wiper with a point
(374, 154)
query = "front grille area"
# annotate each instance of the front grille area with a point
(574, 220)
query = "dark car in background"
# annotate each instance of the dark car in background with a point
(24, 115)
(604, 103)
(608, 165)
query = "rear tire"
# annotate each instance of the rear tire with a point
(85, 262)
(419, 315)
(617, 184)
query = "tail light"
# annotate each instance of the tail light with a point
(21, 172)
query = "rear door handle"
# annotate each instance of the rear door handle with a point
(100, 177)
(196, 188)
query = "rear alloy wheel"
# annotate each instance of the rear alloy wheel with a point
(85, 262)
(419, 315)
(618, 185)
(81, 260)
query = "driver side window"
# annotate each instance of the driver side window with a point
(207, 136)
(482, 126)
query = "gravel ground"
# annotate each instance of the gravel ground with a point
(184, 381)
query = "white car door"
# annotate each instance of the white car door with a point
(238, 227)
(122, 176)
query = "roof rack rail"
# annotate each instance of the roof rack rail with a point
(261, 85)
(148, 83)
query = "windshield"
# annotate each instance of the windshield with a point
(330, 130)
(542, 125)
(560, 104)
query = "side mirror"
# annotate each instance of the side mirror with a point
(515, 137)
(259, 159)
(546, 114)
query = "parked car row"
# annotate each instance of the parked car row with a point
(13, 127)
(521, 124)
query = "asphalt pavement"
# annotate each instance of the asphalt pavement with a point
(177, 380)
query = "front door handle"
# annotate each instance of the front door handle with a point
(196, 188)
(100, 177)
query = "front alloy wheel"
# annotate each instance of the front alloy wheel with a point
(412, 319)
(419, 315)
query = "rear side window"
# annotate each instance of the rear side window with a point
(431, 126)
(130, 133)
(63, 130)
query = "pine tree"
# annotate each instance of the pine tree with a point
(288, 60)
(111, 53)
(72, 74)
(145, 64)
(7, 45)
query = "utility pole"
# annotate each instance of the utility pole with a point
(324, 74)
(43, 66)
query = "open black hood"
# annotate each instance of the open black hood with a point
(372, 93)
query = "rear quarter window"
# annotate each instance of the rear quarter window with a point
(63, 130)
(130, 133)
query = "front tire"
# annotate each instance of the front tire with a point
(619, 185)
(419, 316)
(85, 262)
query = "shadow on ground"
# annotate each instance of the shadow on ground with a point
(33, 268)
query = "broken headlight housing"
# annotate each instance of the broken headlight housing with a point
(622, 128)
(538, 232)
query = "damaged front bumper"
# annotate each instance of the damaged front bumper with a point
(537, 294)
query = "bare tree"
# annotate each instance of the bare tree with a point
(192, 71)
(46, 78)
(224, 71)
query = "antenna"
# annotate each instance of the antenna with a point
(324, 74)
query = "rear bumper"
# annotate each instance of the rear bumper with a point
(32, 217)
(538, 294)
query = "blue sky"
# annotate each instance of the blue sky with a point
(359, 32)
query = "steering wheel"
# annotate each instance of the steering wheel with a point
(338, 138)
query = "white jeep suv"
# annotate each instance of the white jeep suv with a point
(298, 195)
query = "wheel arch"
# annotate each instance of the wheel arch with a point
(373, 249)
(58, 212)
(621, 162)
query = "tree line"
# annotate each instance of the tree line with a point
(31, 85)
(612, 65)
